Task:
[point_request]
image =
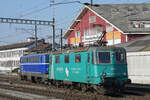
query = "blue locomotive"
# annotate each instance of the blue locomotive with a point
(34, 67)
(84, 68)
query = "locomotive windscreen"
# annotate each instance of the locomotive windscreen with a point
(120, 57)
(103, 57)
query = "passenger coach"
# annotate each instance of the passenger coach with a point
(34, 67)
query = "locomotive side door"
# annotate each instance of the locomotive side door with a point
(51, 67)
(88, 60)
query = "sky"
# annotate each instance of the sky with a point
(41, 10)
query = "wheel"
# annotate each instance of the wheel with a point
(22, 77)
(33, 79)
(100, 90)
(83, 88)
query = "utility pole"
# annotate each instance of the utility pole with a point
(53, 25)
(61, 41)
(91, 2)
(28, 22)
(36, 36)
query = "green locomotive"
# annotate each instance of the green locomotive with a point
(89, 68)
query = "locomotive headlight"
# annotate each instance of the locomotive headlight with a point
(103, 74)
(124, 74)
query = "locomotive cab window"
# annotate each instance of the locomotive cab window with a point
(57, 59)
(77, 58)
(66, 58)
(103, 57)
(120, 57)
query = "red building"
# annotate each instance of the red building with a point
(122, 22)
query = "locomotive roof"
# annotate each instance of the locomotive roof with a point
(41, 54)
(82, 49)
(105, 48)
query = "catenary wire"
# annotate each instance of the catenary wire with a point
(32, 8)
(35, 11)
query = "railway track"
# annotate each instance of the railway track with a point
(49, 92)
(13, 84)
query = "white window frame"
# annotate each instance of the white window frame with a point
(77, 34)
(92, 19)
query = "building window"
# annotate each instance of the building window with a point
(109, 29)
(66, 58)
(140, 25)
(99, 30)
(57, 59)
(77, 58)
(145, 9)
(86, 32)
(77, 34)
(92, 19)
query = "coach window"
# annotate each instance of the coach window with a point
(66, 58)
(23, 60)
(47, 59)
(57, 59)
(31, 59)
(26, 59)
(77, 58)
(41, 59)
(35, 59)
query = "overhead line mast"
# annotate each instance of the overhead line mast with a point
(27, 21)
(53, 25)
(91, 2)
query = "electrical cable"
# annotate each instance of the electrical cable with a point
(10, 35)
(68, 16)
(34, 7)
(35, 11)
(66, 3)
